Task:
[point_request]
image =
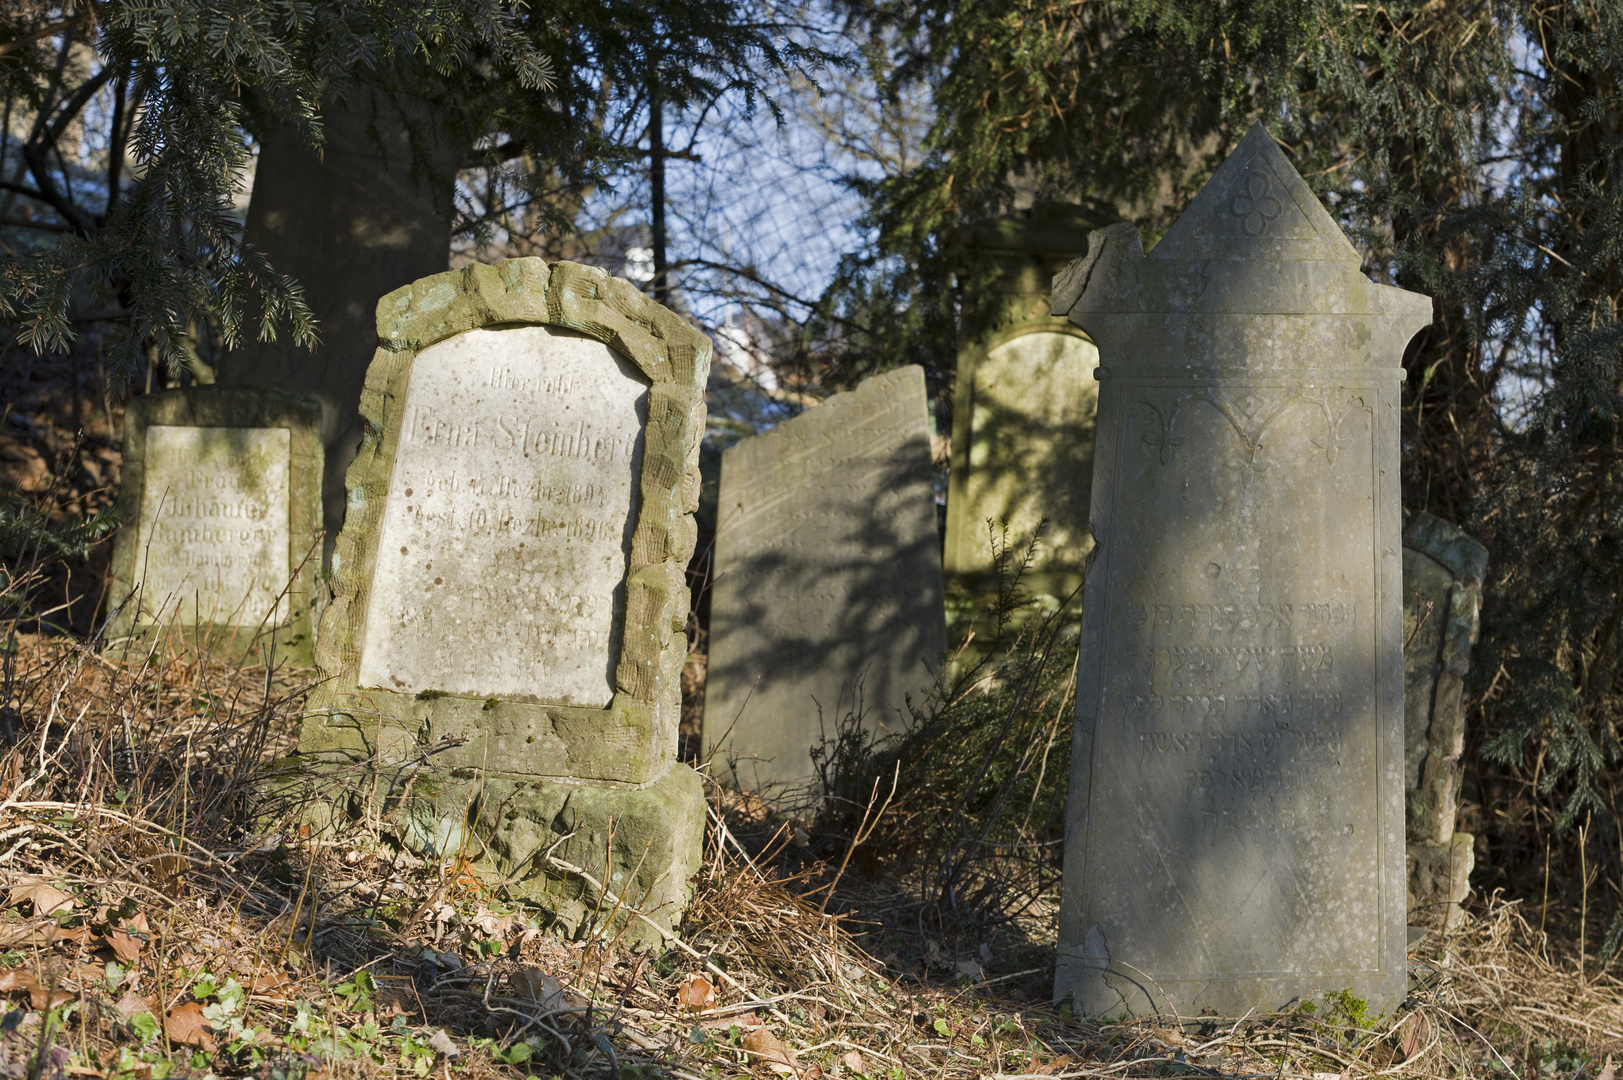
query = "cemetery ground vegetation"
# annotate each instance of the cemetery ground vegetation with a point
(164, 913)
(162, 917)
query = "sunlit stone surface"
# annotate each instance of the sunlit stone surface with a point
(505, 537)
(1235, 837)
(213, 532)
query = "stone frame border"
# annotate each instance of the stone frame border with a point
(225, 406)
(632, 742)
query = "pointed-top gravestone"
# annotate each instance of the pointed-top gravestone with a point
(1235, 837)
(1257, 207)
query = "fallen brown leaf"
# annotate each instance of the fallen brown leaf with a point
(40, 996)
(124, 947)
(851, 1061)
(1608, 1071)
(1412, 1034)
(722, 1023)
(43, 934)
(761, 1044)
(132, 1005)
(185, 1024)
(542, 988)
(44, 997)
(266, 981)
(696, 993)
(123, 940)
(490, 924)
(46, 898)
(13, 979)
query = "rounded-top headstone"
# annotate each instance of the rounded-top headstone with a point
(507, 626)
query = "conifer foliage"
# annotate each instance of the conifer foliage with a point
(1473, 150)
(180, 87)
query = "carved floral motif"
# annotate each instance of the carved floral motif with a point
(1250, 413)
(1254, 206)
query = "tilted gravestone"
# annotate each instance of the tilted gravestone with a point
(1023, 415)
(1234, 837)
(507, 624)
(826, 600)
(1442, 595)
(221, 504)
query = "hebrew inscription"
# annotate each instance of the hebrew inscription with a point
(1234, 837)
(1239, 665)
(506, 532)
(214, 524)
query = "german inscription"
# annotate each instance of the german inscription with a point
(506, 533)
(214, 524)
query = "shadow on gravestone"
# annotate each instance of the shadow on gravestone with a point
(502, 651)
(825, 609)
(221, 510)
(1442, 594)
(1023, 415)
(1234, 838)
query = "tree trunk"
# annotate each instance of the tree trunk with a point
(371, 213)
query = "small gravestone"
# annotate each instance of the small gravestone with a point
(507, 625)
(827, 595)
(1442, 595)
(1235, 830)
(221, 503)
(1023, 414)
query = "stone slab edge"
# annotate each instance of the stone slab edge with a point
(632, 741)
(226, 406)
(1432, 808)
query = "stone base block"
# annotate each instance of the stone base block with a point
(643, 843)
(1439, 877)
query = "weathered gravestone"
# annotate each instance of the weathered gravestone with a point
(827, 592)
(507, 622)
(221, 503)
(1023, 414)
(1442, 595)
(1235, 831)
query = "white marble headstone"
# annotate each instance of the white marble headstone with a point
(506, 534)
(214, 524)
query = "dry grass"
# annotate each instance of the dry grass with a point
(189, 938)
